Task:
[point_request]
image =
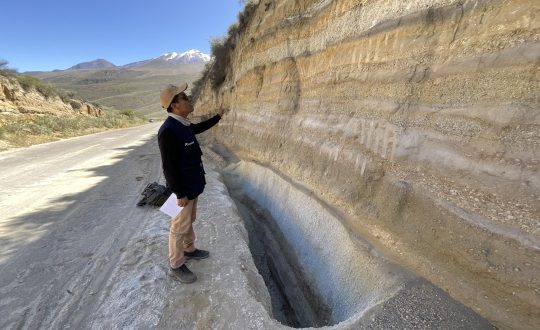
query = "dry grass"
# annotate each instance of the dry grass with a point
(28, 130)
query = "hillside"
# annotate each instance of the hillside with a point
(32, 112)
(416, 123)
(132, 86)
(96, 64)
(122, 88)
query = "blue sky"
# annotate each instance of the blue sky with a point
(55, 34)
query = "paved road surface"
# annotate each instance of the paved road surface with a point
(67, 210)
(76, 253)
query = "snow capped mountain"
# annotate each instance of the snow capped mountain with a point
(191, 56)
(171, 60)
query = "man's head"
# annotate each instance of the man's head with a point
(174, 99)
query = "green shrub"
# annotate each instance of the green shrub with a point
(129, 113)
(28, 83)
(46, 90)
(66, 96)
(9, 73)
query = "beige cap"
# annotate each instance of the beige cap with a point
(169, 92)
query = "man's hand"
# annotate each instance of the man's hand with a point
(182, 201)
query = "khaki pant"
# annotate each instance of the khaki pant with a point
(181, 235)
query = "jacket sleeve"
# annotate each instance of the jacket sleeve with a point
(171, 159)
(203, 126)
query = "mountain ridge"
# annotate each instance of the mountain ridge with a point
(169, 59)
(133, 86)
(91, 65)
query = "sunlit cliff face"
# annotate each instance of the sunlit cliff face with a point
(416, 120)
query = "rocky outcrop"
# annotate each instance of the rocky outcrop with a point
(417, 122)
(91, 110)
(15, 100)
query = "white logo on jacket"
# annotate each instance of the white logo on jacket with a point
(188, 143)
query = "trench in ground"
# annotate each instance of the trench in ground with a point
(316, 273)
(294, 302)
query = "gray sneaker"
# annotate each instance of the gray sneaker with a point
(182, 274)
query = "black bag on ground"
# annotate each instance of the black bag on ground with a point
(154, 194)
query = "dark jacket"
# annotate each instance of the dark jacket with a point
(181, 156)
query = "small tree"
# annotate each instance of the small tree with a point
(5, 71)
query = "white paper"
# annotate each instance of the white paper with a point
(170, 207)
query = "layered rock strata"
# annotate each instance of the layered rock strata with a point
(15, 101)
(417, 121)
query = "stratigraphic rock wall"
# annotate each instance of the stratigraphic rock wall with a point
(418, 121)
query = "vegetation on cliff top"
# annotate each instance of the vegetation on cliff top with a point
(216, 71)
(30, 83)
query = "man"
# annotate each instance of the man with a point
(184, 173)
